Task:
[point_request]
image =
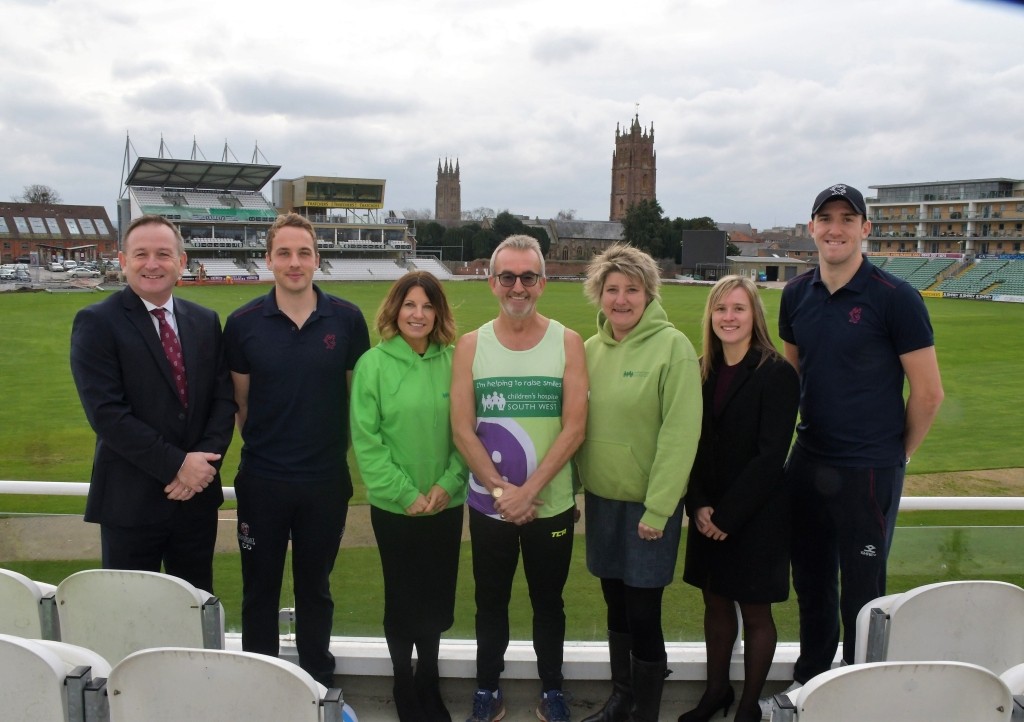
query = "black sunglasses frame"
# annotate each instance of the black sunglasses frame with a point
(504, 276)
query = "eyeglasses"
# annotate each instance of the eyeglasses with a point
(508, 279)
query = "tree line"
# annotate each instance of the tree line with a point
(645, 226)
(475, 240)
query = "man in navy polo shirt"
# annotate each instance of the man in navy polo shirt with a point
(853, 332)
(291, 355)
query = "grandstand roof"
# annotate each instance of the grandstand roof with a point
(173, 173)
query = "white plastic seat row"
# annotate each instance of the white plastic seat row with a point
(114, 612)
(974, 623)
(47, 681)
(981, 622)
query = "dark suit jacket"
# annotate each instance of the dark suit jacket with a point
(739, 472)
(131, 402)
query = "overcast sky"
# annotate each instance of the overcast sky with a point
(756, 104)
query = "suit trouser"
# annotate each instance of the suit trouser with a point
(313, 516)
(183, 544)
(546, 546)
(843, 522)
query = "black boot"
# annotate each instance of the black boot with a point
(648, 683)
(616, 709)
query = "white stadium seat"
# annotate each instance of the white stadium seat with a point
(903, 691)
(22, 606)
(117, 612)
(44, 680)
(174, 684)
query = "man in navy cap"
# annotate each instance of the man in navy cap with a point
(854, 332)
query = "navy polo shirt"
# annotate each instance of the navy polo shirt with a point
(296, 428)
(852, 409)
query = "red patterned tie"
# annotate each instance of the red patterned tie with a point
(172, 348)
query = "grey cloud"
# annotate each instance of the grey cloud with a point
(563, 47)
(139, 68)
(304, 98)
(173, 96)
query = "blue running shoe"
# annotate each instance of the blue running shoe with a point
(553, 707)
(487, 706)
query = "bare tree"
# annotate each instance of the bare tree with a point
(478, 214)
(39, 193)
(566, 214)
(418, 214)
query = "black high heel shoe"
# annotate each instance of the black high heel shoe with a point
(707, 708)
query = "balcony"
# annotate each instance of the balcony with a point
(927, 548)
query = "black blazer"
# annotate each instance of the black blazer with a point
(739, 471)
(131, 402)
(741, 454)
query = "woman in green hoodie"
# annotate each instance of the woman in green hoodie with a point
(642, 432)
(415, 481)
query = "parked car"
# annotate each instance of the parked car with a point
(7, 274)
(83, 272)
(22, 276)
(56, 266)
(69, 264)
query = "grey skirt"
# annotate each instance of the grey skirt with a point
(615, 551)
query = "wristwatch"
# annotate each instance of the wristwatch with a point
(496, 492)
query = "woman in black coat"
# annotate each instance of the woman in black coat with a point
(737, 544)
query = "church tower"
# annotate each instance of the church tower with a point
(634, 168)
(448, 198)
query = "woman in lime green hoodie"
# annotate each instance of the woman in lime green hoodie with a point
(415, 481)
(642, 431)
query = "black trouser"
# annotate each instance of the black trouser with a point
(843, 521)
(546, 546)
(313, 515)
(183, 545)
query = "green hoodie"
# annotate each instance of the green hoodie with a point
(645, 414)
(401, 432)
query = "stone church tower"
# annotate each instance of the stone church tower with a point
(448, 199)
(634, 168)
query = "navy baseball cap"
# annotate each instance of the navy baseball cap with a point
(841, 191)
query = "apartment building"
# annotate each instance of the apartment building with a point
(971, 217)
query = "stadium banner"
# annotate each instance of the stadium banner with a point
(972, 296)
(932, 294)
(343, 204)
(204, 214)
(233, 278)
(1007, 298)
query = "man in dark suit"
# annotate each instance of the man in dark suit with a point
(155, 387)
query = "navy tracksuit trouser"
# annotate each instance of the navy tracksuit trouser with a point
(843, 522)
